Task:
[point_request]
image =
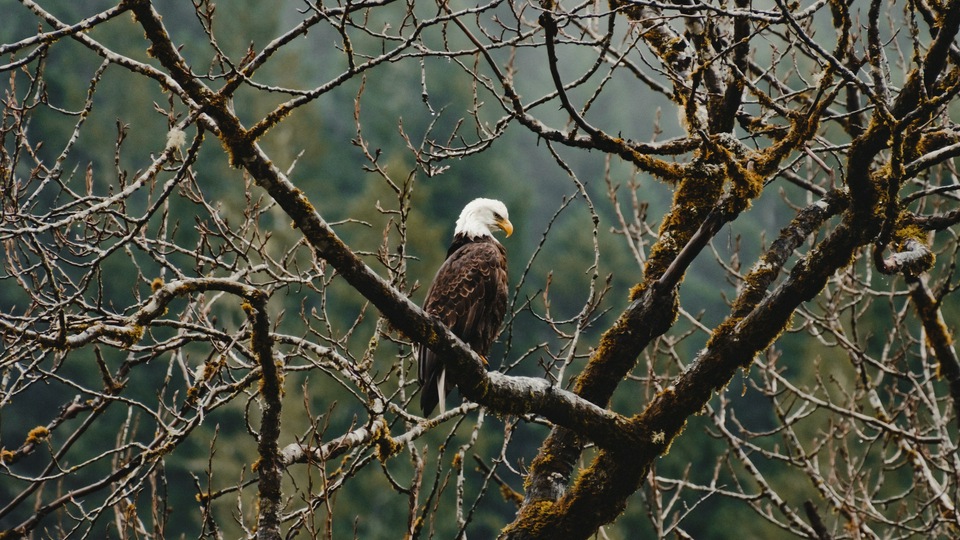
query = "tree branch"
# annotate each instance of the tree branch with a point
(612, 476)
(938, 338)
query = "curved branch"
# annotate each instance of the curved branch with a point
(128, 331)
(550, 29)
(62, 30)
(913, 258)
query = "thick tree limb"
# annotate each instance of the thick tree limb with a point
(613, 476)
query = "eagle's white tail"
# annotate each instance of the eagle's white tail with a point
(441, 394)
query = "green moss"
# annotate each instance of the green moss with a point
(671, 438)
(510, 495)
(747, 186)
(909, 231)
(755, 286)
(304, 201)
(534, 518)
(693, 199)
(721, 332)
(637, 290)
(192, 394)
(37, 434)
(273, 118)
(386, 446)
(131, 337)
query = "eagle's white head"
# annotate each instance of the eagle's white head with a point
(480, 217)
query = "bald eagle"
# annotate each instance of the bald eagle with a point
(469, 292)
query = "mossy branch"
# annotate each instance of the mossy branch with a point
(600, 492)
(271, 393)
(938, 338)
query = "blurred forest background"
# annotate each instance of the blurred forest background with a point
(353, 152)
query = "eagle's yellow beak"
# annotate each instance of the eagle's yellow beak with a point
(505, 225)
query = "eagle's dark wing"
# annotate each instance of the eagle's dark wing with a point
(469, 295)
